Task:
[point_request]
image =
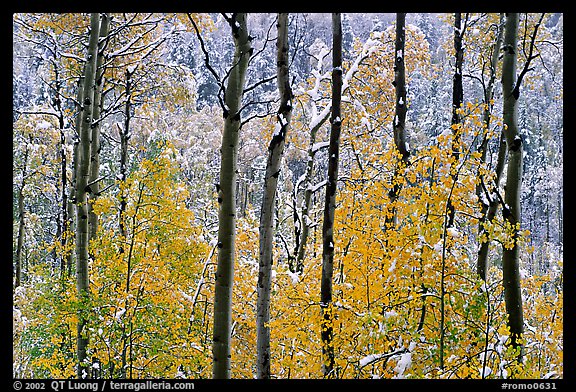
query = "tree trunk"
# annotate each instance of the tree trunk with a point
(330, 203)
(306, 203)
(94, 187)
(457, 89)
(227, 198)
(124, 139)
(488, 211)
(72, 189)
(82, 281)
(399, 123)
(275, 151)
(62, 221)
(457, 99)
(512, 208)
(305, 220)
(21, 223)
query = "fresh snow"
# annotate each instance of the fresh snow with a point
(403, 364)
(294, 276)
(485, 371)
(119, 314)
(438, 247)
(43, 125)
(369, 359)
(277, 130)
(186, 296)
(317, 186)
(366, 122)
(453, 232)
(318, 146)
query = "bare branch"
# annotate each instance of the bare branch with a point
(221, 89)
(263, 81)
(529, 57)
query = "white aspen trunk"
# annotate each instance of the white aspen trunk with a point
(94, 188)
(512, 208)
(82, 281)
(21, 223)
(275, 151)
(489, 210)
(124, 139)
(306, 204)
(227, 198)
(72, 188)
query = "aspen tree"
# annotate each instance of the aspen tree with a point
(275, 151)
(82, 234)
(21, 223)
(399, 123)
(227, 197)
(457, 99)
(512, 209)
(327, 329)
(71, 207)
(94, 181)
(489, 210)
(456, 124)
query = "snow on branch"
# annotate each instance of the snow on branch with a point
(367, 49)
(315, 188)
(318, 118)
(318, 146)
(373, 358)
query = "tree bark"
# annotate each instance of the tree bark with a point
(227, 198)
(488, 211)
(457, 99)
(72, 189)
(94, 188)
(305, 221)
(457, 89)
(306, 203)
(21, 223)
(512, 207)
(124, 139)
(275, 151)
(63, 220)
(399, 123)
(82, 281)
(330, 203)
